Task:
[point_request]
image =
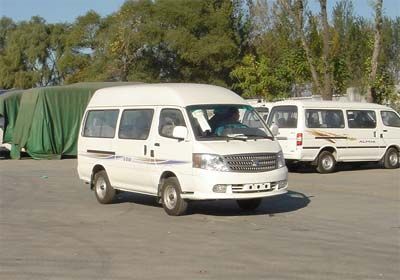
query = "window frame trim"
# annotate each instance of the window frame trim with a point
(389, 111)
(358, 110)
(159, 121)
(135, 109)
(100, 110)
(324, 109)
(272, 110)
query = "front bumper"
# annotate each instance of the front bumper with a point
(238, 185)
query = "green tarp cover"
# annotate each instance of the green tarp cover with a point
(9, 107)
(49, 118)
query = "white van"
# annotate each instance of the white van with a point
(178, 142)
(326, 132)
(263, 108)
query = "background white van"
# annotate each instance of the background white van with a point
(178, 142)
(326, 132)
(263, 108)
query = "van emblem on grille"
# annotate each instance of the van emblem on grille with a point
(255, 163)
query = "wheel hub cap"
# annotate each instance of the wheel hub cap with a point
(394, 159)
(101, 188)
(170, 197)
(327, 163)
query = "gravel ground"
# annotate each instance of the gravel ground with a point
(337, 226)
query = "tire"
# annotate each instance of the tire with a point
(171, 199)
(391, 158)
(249, 204)
(326, 162)
(105, 193)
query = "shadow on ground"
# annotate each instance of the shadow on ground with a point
(289, 202)
(340, 167)
(4, 153)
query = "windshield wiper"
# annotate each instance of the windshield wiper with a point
(227, 138)
(260, 136)
(241, 137)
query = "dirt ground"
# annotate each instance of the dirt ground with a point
(344, 225)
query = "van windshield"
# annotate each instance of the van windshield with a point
(215, 122)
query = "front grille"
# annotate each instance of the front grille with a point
(251, 162)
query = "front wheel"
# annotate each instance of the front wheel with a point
(171, 199)
(105, 193)
(249, 204)
(326, 162)
(391, 159)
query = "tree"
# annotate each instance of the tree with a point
(371, 94)
(327, 92)
(127, 38)
(256, 78)
(78, 62)
(23, 62)
(199, 41)
(298, 14)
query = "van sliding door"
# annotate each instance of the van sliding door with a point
(136, 166)
(363, 140)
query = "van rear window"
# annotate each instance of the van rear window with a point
(321, 118)
(101, 123)
(283, 116)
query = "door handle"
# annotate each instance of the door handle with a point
(385, 130)
(374, 133)
(145, 149)
(152, 153)
(157, 144)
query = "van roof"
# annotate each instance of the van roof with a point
(331, 104)
(168, 94)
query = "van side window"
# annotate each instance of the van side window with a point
(135, 124)
(169, 118)
(390, 118)
(318, 118)
(101, 123)
(361, 119)
(283, 116)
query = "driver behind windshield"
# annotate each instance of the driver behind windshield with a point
(229, 120)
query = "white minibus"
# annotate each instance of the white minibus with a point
(326, 132)
(263, 108)
(178, 142)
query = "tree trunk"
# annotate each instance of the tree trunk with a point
(295, 11)
(371, 96)
(327, 91)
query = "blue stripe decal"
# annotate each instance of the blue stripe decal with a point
(138, 160)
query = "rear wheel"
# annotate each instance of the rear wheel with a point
(326, 162)
(249, 204)
(105, 193)
(171, 199)
(391, 159)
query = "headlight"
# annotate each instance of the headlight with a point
(209, 162)
(280, 160)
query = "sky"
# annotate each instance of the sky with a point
(54, 11)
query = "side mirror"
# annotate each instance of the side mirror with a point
(180, 132)
(274, 129)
